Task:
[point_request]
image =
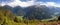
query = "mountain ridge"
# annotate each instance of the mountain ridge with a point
(35, 11)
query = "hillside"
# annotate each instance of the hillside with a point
(31, 15)
(35, 11)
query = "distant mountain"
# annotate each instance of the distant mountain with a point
(41, 12)
(7, 7)
(35, 12)
(18, 10)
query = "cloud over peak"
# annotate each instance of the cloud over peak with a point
(28, 3)
(19, 3)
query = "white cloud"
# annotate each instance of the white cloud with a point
(20, 3)
(29, 3)
(50, 4)
(2, 4)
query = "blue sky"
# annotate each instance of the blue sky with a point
(29, 2)
(49, 0)
(6, 0)
(57, 1)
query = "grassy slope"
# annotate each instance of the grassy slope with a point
(28, 22)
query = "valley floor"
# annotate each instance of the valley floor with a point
(44, 23)
(38, 23)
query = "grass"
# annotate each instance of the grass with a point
(21, 21)
(45, 23)
(37, 22)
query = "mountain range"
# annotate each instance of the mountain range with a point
(35, 12)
